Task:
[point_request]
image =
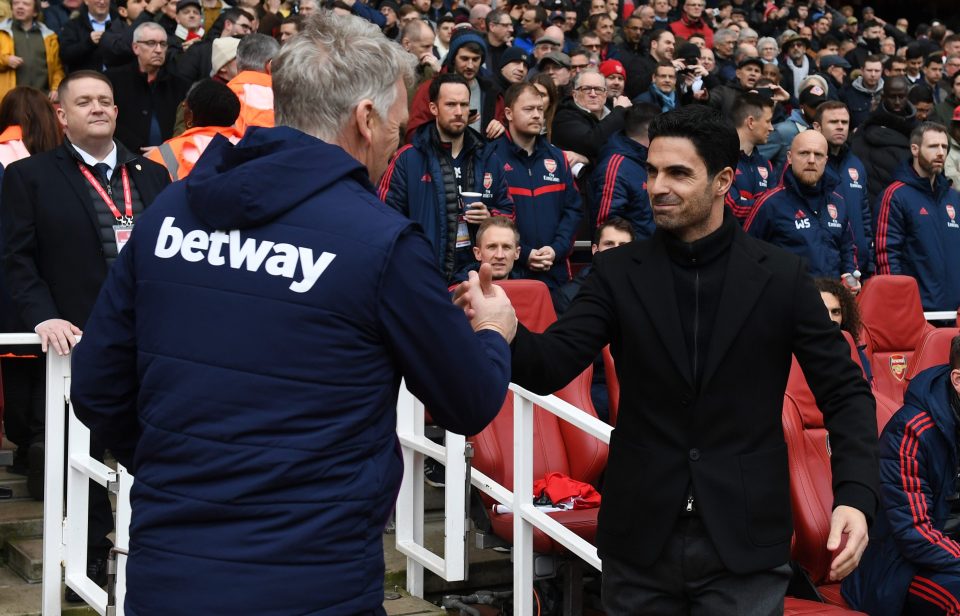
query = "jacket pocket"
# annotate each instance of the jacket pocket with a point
(624, 487)
(766, 490)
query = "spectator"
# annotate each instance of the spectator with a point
(54, 260)
(795, 64)
(532, 24)
(557, 66)
(894, 67)
(499, 36)
(210, 109)
(253, 85)
(661, 14)
(28, 125)
(80, 38)
(805, 216)
(883, 140)
(952, 165)
(951, 66)
(549, 43)
(57, 15)
(868, 43)
(390, 11)
(724, 44)
(662, 47)
(212, 10)
(799, 120)
(147, 93)
(918, 233)
(546, 201)
(117, 41)
(724, 97)
(197, 62)
(424, 184)
(189, 23)
(583, 124)
(551, 100)
(615, 77)
(752, 115)
(619, 183)
(223, 59)
(768, 49)
(691, 21)
(611, 233)
(602, 26)
(29, 50)
(914, 57)
(933, 76)
(478, 17)
(832, 120)
(635, 44)
(922, 100)
(289, 27)
(862, 95)
(834, 69)
(662, 93)
(417, 39)
(910, 565)
(441, 42)
(591, 42)
(465, 57)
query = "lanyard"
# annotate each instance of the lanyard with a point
(127, 217)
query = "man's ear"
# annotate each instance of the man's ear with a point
(365, 117)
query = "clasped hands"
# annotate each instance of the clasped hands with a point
(486, 304)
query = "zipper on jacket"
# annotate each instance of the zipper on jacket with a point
(689, 507)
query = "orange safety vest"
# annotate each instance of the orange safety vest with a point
(255, 91)
(180, 154)
(12, 148)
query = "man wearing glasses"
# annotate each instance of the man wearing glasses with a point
(146, 91)
(583, 124)
(499, 36)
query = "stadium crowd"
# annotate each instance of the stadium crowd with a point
(527, 130)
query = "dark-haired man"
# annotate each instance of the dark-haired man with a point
(446, 158)
(752, 115)
(197, 62)
(910, 566)
(862, 95)
(696, 504)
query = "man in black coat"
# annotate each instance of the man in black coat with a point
(583, 124)
(883, 141)
(696, 500)
(147, 92)
(60, 237)
(80, 38)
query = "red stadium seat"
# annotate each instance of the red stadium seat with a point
(934, 350)
(799, 607)
(558, 446)
(893, 323)
(613, 385)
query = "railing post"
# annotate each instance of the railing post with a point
(522, 497)
(58, 371)
(409, 507)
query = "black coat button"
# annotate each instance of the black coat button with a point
(694, 454)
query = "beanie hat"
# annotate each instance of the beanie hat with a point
(462, 37)
(224, 50)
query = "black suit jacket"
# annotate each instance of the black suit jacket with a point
(727, 436)
(139, 101)
(53, 262)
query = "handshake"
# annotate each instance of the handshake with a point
(486, 304)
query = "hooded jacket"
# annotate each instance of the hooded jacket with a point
(918, 450)
(619, 186)
(852, 186)
(860, 101)
(416, 186)
(883, 142)
(810, 222)
(261, 425)
(918, 234)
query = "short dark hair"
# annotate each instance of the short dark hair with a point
(636, 120)
(871, 23)
(234, 13)
(494, 16)
(933, 58)
(920, 94)
(916, 137)
(713, 136)
(827, 106)
(617, 223)
(212, 103)
(889, 62)
(77, 75)
(515, 90)
(541, 13)
(296, 20)
(955, 353)
(749, 104)
(659, 34)
(443, 78)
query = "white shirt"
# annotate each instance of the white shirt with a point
(110, 159)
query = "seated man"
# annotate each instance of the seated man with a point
(612, 232)
(498, 243)
(912, 564)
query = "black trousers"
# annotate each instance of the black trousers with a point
(689, 578)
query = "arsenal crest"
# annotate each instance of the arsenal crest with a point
(550, 164)
(854, 174)
(762, 171)
(487, 180)
(833, 210)
(951, 212)
(898, 366)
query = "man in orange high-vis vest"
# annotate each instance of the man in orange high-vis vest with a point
(253, 85)
(210, 109)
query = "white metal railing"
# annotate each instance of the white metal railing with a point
(65, 519)
(946, 315)
(526, 517)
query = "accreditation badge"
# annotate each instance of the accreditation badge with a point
(121, 233)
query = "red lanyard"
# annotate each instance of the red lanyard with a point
(127, 217)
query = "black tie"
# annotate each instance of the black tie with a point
(101, 169)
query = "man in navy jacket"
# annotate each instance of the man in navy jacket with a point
(545, 197)
(912, 565)
(804, 215)
(244, 357)
(918, 233)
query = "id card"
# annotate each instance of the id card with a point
(121, 233)
(463, 234)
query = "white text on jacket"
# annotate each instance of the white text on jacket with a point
(242, 253)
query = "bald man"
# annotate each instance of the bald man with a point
(805, 216)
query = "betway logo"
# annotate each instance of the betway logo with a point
(198, 245)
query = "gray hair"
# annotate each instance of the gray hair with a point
(147, 25)
(581, 74)
(766, 42)
(748, 33)
(322, 74)
(255, 50)
(724, 35)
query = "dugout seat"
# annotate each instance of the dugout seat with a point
(613, 385)
(799, 607)
(558, 446)
(893, 326)
(934, 350)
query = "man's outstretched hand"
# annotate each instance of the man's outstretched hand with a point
(486, 304)
(852, 523)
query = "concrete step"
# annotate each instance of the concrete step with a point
(405, 605)
(18, 598)
(25, 558)
(20, 518)
(6, 457)
(16, 483)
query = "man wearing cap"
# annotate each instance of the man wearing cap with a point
(805, 215)
(466, 54)
(691, 22)
(557, 65)
(883, 140)
(794, 64)
(548, 43)
(616, 78)
(513, 69)
(868, 43)
(799, 120)
(223, 59)
(189, 23)
(862, 95)
(834, 69)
